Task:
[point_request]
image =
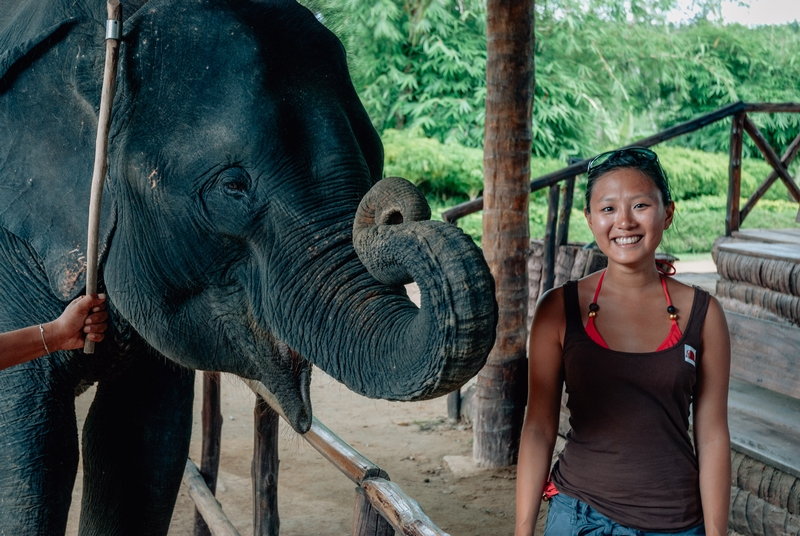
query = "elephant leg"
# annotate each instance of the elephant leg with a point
(38, 450)
(135, 445)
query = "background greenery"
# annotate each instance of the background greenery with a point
(608, 72)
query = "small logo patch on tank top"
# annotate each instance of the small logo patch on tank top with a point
(690, 355)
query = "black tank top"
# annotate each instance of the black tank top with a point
(628, 453)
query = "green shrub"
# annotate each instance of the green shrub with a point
(448, 172)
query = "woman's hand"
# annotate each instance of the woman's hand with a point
(85, 317)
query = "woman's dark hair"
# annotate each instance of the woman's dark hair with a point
(641, 159)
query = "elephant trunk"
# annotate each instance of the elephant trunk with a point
(392, 349)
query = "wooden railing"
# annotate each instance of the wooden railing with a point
(562, 183)
(381, 507)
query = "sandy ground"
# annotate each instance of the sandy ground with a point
(408, 440)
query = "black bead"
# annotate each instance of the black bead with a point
(594, 307)
(671, 309)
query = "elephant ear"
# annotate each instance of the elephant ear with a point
(47, 143)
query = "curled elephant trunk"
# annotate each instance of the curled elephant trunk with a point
(420, 353)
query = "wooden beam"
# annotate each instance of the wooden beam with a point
(772, 158)
(786, 159)
(205, 502)
(264, 470)
(773, 107)
(212, 435)
(732, 222)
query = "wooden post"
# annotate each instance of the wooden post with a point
(212, 434)
(367, 521)
(264, 471)
(732, 221)
(567, 193)
(454, 407)
(502, 383)
(550, 245)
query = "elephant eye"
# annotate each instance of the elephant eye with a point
(235, 181)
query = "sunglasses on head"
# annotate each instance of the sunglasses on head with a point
(628, 155)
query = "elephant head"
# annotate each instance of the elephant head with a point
(245, 226)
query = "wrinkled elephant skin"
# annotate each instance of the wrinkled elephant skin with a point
(244, 229)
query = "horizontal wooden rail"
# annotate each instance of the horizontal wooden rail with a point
(400, 510)
(469, 207)
(206, 503)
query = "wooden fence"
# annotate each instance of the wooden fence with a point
(381, 507)
(562, 184)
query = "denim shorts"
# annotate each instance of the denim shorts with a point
(571, 517)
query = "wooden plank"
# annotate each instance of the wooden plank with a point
(206, 503)
(454, 407)
(765, 353)
(773, 236)
(212, 435)
(367, 521)
(772, 158)
(264, 470)
(764, 425)
(781, 252)
(786, 159)
(400, 510)
(732, 214)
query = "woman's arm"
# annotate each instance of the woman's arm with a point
(544, 405)
(85, 314)
(711, 436)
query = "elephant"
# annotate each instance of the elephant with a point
(246, 228)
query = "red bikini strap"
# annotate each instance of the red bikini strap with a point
(599, 284)
(666, 292)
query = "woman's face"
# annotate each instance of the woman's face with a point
(627, 216)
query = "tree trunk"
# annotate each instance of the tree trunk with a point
(502, 384)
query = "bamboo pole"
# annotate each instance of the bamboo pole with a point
(113, 34)
(206, 503)
(212, 435)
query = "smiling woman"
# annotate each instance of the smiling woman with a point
(637, 351)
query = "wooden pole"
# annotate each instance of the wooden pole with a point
(113, 34)
(206, 503)
(734, 175)
(567, 193)
(264, 471)
(502, 384)
(550, 246)
(210, 450)
(367, 521)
